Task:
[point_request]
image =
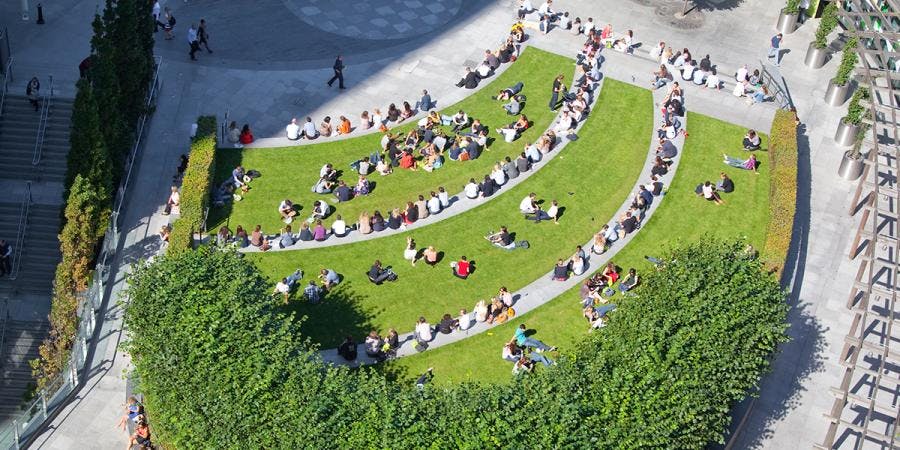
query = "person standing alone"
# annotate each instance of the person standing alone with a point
(338, 72)
(557, 88)
(5, 258)
(192, 40)
(775, 48)
(203, 35)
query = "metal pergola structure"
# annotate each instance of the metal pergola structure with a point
(866, 408)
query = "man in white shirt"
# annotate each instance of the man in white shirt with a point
(471, 189)
(156, 11)
(528, 204)
(434, 204)
(443, 197)
(423, 330)
(339, 227)
(293, 130)
(327, 172)
(589, 25)
(192, 40)
(544, 10)
(309, 129)
(657, 51)
(285, 286)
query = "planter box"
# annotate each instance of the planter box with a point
(787, 23)
(815, 57)
(836, 95)
(850, 168)
(846, 133)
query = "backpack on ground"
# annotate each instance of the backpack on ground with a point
(421, 346)
(523, 244)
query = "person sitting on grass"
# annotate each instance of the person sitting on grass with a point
(523, 365)
(629, 282)
(725, 184)
(410, 253)
(320, 209)
(329, 278)
(472, 189)
(323, 186)
(560, 271)
(460, 121)
(430, 256)
(461, 268)
(746, 164)
(512, 131)
(710, 194)
(598, 316)
(510, 92)
(312, 292)
(523, 341)
(501, 239)
(343, 192)
(286, 209)
(339, 228)
(511, 352)
(514, 106)
(589, 293)
(286, 285)
(752, 141)
(379, 275)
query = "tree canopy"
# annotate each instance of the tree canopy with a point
(219, 365)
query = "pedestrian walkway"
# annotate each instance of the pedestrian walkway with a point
(545, 288)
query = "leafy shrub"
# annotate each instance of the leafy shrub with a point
(220, 364)
(827, 24)
(855, 111)
(196, 184)
(782, 188)
(791, 7)
(848, 62)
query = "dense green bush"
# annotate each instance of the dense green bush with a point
(221, 367)
(848, 62)
(782, 188)
(855, 111)
(196, 185)
(827, 24)
(107, 107)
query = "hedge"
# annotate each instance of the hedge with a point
(195, 186)
(222, 364)
(782, 188)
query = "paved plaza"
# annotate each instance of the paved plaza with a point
(272, 58)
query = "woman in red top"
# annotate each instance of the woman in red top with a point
(462, 268)
(246, 134)
(407, 161)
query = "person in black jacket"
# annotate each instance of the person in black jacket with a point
(470, 80)
(338, 72)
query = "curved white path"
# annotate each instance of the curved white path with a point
(545, 289)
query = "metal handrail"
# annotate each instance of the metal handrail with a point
(7, 76)
(42, 125)
(4, 319)
(20, 236)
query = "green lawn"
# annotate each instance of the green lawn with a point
(290, 172)
(590, 179)
(681, 217)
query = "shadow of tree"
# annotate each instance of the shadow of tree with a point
(338, 314)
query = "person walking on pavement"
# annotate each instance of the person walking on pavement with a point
(775, 49)
(192, 40)
(156, 10)
(203, 35)
(5, 258)
(557, 88)
(338, 72)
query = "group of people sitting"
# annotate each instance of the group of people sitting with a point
(313, 292)
(725, 185)
(525, 352)
(748, 84)
(235, 187)
(134, 413)
(547, 19)
(507, 52)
